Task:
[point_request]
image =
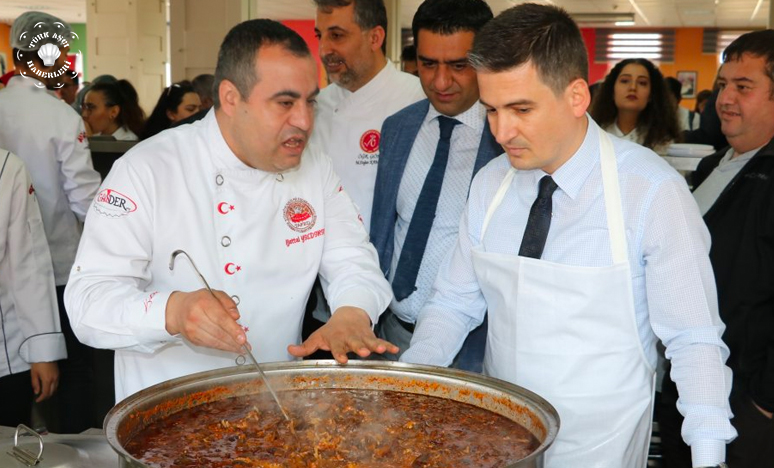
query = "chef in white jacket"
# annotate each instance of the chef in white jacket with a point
(259, 211)
(30, 335)
(365, 89)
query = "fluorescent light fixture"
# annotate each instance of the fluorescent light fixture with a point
(643, 36)
(624, 23)
(635, 42)
(603, 18)
(635, 49)
(623, 55)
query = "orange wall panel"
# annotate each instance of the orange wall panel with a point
(688, 57)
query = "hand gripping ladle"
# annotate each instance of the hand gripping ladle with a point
(244, 346)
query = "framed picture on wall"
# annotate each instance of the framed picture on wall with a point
(688, 79)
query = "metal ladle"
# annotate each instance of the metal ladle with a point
(244, 346)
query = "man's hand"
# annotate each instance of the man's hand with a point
(205, 320)
(45, 378)
(348, 330)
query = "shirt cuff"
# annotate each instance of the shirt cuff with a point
(362, 299)
(708, 452)
(48, 347)
(153, 326)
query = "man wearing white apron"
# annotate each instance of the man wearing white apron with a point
(581, 281)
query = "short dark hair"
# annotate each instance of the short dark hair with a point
(447, 17)
(757, 44)
(409, 53)
(368, 13)
(675, 87)
(236, 58)
(657, 122)
(202, 84)
(544, 35)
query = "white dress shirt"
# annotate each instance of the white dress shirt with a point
(51, 140)
(672, 280)
(636, 137)
(124, 134)
(465, 141)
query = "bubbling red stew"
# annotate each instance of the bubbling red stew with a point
(333, 428)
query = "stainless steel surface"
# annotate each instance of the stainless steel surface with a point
(61, 451)
(245, 347)
(130, 416)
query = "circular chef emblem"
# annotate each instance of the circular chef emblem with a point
(369, 142)
(299, 215)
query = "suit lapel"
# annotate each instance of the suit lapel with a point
(488, 149)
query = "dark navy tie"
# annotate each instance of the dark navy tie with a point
(539, 221)
(405, 279)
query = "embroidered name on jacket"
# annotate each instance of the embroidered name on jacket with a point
(114, 204)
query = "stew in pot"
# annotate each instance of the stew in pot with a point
(334, 428)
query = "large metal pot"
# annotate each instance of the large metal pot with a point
(130, 416)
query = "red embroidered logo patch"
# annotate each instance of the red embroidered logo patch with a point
(299, 215)
(114, 204)
(369, 142)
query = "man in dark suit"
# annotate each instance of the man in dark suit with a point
(735, 193)
(430, 152)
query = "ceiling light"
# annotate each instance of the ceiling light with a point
(603, 18)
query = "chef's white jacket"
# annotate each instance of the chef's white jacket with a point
(28, 309)
(348, 126)
(258, 236)
(51, 140)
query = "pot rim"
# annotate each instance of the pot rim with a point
(545, 412)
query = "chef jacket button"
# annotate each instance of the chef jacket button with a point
(235, 299)
(219, 179)
(225, 241)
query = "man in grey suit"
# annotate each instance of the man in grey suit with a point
(430, 152)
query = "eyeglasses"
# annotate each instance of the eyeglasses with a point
(169, 90)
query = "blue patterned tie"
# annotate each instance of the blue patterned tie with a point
(539, 221)
(404, 282)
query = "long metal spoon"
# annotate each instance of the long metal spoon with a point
(244, 346)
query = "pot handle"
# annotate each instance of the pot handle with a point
(24, 455)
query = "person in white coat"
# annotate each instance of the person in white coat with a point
(30, 335)
(571, 242)
(259, 211)
(51, 140)
(365, 89)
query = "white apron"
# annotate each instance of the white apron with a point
(569, 334)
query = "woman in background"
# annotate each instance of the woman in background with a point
(633, 103)
(113, 109)
(175, 103)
